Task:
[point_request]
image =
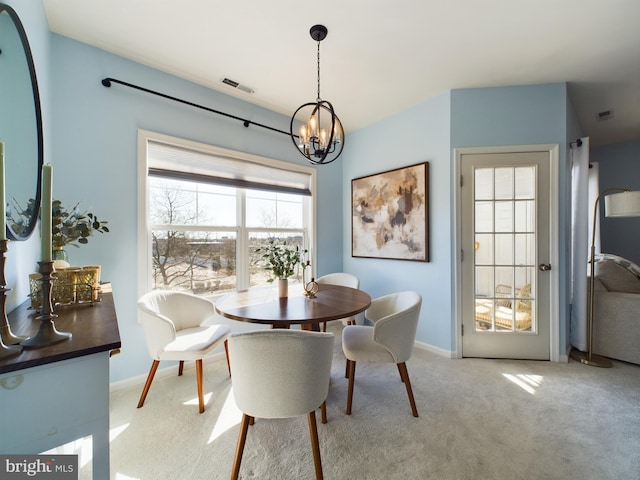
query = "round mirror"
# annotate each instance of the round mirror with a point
(20, 127)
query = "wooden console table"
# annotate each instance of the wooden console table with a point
(56, 394)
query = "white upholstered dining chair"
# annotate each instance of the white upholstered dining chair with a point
(280, 374)
(175, 328)
(344, 280)
(389, 340)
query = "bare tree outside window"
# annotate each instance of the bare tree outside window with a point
(195, 242)
(196, 261)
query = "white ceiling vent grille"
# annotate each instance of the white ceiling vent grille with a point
(234, 84)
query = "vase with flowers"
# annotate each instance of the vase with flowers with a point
(282, 261)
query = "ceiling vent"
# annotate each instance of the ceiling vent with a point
(604, 115)
(234, 84)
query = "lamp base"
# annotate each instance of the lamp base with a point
(9, 350)
(47, 334)
(593, 360)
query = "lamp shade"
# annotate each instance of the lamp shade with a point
(625, 204)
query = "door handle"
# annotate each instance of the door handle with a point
(544, 267)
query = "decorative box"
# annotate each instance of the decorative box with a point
(71, 285)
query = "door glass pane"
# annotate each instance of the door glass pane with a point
(525, 250)
(504, 276)
(525, 215)
(484, 249)
(525, 298)
(524, 276)
(504, 183)
(484, 217)
(484, 184)
(484, 281)
(484, 314)
(504, 249)
(504, 217)
(525, 182)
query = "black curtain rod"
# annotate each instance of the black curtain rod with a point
(578, 142)
(107, 83)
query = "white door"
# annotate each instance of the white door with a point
(505, 270)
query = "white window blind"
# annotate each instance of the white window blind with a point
(171, 161)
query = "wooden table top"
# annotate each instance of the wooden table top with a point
(262, 305)
(94, 329)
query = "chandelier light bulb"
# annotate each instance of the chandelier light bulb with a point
(303, 136)
(323, 138)
(313, 126)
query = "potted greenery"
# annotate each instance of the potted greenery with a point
(281, 260)
(67, 227)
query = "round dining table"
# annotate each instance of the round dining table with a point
(262, 305)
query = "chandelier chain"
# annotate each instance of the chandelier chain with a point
(319, 99)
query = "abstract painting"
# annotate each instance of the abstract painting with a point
(390, 214)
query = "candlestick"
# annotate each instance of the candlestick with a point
(45, 212)
(47, 333)
(8, 341)
(3, 202)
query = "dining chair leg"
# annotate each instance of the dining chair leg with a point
(147, 385)
(346, 369)
(402, 367)
(352, 374)
(226, 352)
(323, 411)
(242, 437)
(200, 385)
(180, 368)
(315, 444)
(324, 326)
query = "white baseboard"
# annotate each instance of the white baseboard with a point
(437, 350)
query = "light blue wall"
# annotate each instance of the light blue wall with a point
(619, 167)
(522, 115)
(419, 134)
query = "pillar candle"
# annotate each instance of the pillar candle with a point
(3, 202)
(45, 213)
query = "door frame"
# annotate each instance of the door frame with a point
(553, 150)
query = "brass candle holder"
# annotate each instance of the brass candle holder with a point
(47, 333)
(8, 341)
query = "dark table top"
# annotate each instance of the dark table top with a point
(94, 329)
(262, 305)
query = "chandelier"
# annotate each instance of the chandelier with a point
(320, 137)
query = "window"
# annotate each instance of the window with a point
(206, 211)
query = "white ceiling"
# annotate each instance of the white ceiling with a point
(380, 56)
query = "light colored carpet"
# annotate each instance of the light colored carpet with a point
(479, 419)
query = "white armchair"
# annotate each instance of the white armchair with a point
(344, 280)
(389, 340)
(280, 374)
(175, 329)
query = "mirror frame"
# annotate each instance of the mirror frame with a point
(12, 235)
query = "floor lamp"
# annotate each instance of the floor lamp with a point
(624, 203)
